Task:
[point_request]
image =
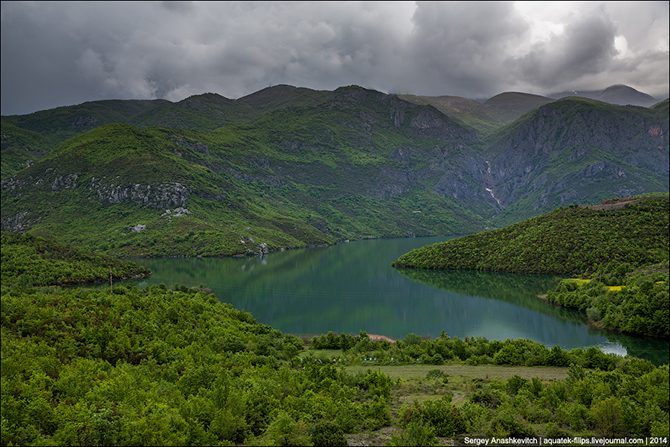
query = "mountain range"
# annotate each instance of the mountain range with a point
(614, 94)
(289, 166)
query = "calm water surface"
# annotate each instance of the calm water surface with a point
(352, 287)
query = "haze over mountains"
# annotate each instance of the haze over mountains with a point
(614, 94)
(288, 166)
(489, 114)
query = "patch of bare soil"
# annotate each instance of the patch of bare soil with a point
(613, 204)
(376, 337)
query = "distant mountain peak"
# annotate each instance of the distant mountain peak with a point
(619, 87)
(514, 93)
(620, 94)
(506, 96)
(276, 91)
(274, 88)
(279, 96)
(355, 87)
(208, 96)
(508, 106)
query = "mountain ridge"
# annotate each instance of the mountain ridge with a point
(349, 168)
(619, 94)
(300, 166)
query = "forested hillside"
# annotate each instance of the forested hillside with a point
(619, 247)
(289, 167)
(344, 169)
(572, 240)
(32, 261)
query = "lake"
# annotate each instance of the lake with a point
(351, 287)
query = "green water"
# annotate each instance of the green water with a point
(352, 287)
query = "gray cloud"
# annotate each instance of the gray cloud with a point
(586, 48)
(463, 48)
(64, 53)
(179, 7)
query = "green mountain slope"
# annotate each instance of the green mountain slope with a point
(20, 147)
(26, 138)
(470, 112)
(290, 166)
(207, 111)
(574, 151)
(283, 96)
(63, 122)
(508, 106)
(486, 117)
(360, 164)
(33, 261)
(661, 106)
(569, 240)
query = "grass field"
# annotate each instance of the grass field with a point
(408, 372)
(323, 354)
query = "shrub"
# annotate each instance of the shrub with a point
(327, 433)
(417, 433)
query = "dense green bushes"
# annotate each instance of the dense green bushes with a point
(471, 350)
(33, 261)
(631, 400)
(360, 349)
(163, 367)
(635, 303)
(574, 240)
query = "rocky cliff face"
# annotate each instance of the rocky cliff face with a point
(108, 191)
(20, 221)
(572, 150)
(161, 196)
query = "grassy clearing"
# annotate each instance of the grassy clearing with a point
(577, 281)
(323, 354)
(409, 372)
(581, 282)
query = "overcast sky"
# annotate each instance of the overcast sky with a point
(66, 53)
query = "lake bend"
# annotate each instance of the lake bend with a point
(351, 287)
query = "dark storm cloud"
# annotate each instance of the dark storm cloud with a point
(64, 53)
(463, 48)
(180, 7)
(586, 47)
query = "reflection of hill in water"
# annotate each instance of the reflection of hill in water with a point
(655, 350)
(352, 287)
(521, 290)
